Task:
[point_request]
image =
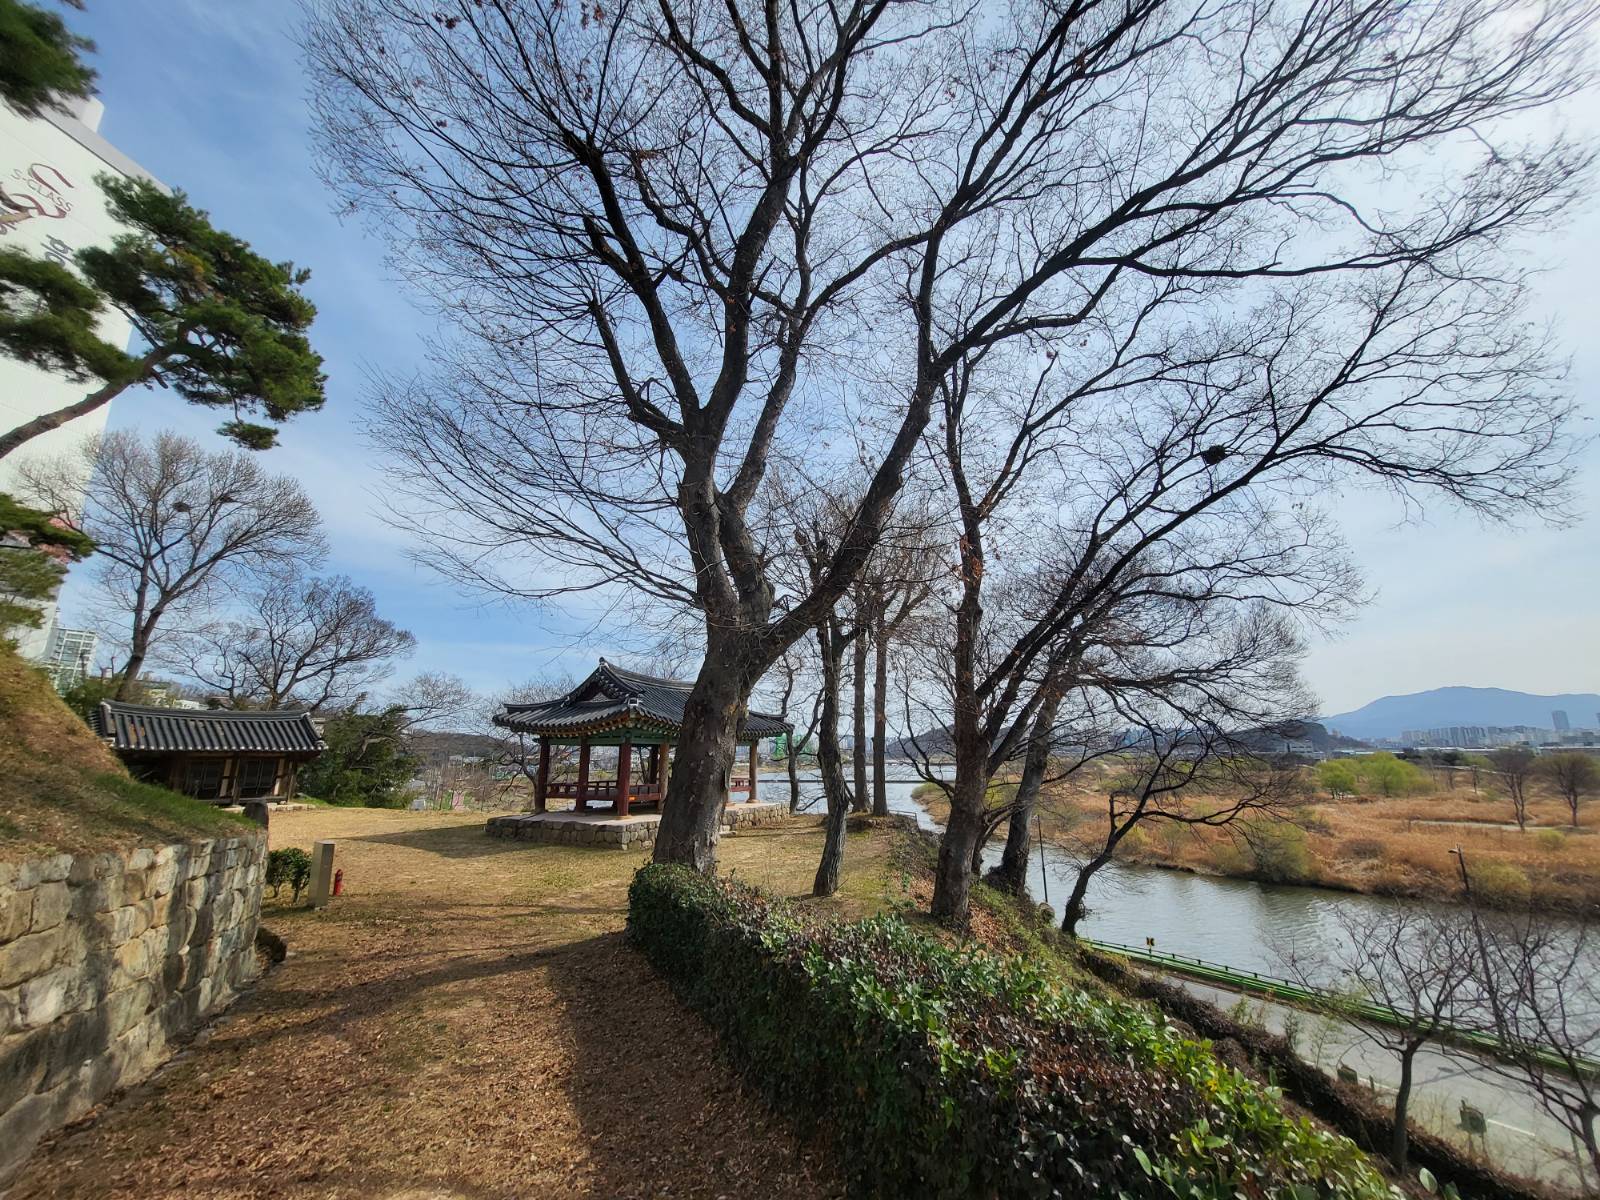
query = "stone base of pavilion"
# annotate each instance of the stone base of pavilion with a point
(637, 831)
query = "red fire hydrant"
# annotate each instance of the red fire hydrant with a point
(338, 881)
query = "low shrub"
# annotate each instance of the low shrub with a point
(1551, 841)
(290, 865)
(1279, 850)
(1230, 858)
(944, 1071)
(1501, 883)
(1311, 820)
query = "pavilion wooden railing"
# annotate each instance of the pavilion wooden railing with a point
(604, 791)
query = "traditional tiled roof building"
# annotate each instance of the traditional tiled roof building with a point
(614, 707)
(219, 755)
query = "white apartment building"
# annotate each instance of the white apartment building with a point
(51, 205)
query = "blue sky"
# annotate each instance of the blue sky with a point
(209, 97)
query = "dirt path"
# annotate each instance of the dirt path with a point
(467, 1022)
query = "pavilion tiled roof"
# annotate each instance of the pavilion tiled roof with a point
(138, 727)
(611, 699)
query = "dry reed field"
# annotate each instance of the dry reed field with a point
(1397, 845)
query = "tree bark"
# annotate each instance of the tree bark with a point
(1400, 1143)
(1074, 910)
(859, 801)
(880, 719)
(101, 396)
(952, 885)
(1012, 873)
(138, 651)
(831, 763)
(794, 778)
(698, 788)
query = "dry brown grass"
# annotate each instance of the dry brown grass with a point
(61, 789)
(467, 1021)
(1399, 846)
(1391, 846)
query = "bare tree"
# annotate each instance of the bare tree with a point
(1539, 993)
(514, 748)
(900, 580)
(667, 230)
(833, 639)
(1575, 775)
(173, 522)
(1515, 765)
(688, 208)
(1419, 963)
(314, 642)
(434, 700)
(1184, 767)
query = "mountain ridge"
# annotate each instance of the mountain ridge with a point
(1389, 716)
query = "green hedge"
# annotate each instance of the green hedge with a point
(940, 1072)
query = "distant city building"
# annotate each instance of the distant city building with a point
(68, 655)
(50, 205)
(1562, 725)
(1469, 737)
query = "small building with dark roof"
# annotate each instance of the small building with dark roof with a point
(219, 755)
(628, 710)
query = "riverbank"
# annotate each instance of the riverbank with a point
(1379, 846)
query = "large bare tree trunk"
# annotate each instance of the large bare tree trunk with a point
(831, 763)
(952, 885)
(1012, 873)
(138, 651)
(880, 720)
(859, 800)
(698, 788)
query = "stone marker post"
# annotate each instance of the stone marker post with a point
(321, 873)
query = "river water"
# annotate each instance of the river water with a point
(1236, 922)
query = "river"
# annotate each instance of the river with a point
(1236, 922)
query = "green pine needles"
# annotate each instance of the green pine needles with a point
(216, 322)
(39, 61)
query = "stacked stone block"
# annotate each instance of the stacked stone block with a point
(106, 962)
(630, 833)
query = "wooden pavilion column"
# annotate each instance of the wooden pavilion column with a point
(582, 803)
(752, 796)
(661, 767)
(541, 783)
(624, 773)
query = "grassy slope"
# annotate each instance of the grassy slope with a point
(62, 790)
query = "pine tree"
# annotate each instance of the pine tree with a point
(219, 324)
(34, 550)
(39, 61)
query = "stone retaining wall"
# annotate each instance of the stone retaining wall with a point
(633, 832)
(108, 960)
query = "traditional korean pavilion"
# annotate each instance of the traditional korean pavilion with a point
(642, 716)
